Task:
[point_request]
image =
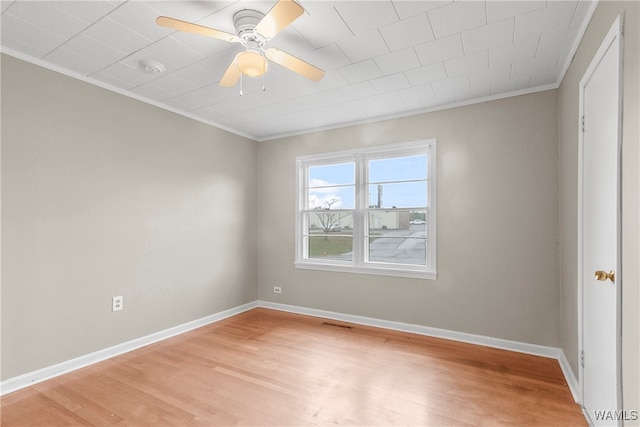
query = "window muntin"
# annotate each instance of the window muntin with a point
(368, 211)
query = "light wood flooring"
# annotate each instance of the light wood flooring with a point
(266, 367)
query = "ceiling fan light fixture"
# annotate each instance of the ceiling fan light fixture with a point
(252, 63)
(253, 29)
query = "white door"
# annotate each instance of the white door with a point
(599, 274)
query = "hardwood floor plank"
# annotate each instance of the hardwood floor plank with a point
(265, 367)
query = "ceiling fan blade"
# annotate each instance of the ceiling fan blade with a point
(294, 64)
(232, 75)
(188, 27)
(280, 16)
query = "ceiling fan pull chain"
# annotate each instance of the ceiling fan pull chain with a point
(241, 85)
(264, 82)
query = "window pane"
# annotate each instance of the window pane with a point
(398, 169)
(331, 198)
(410, 221)
(338, 247)
(331, 175)
(367, 210)
(397, 250)
(330, 235)
(329, 222)
(398, 195)
(398, 237)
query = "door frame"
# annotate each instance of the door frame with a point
(613, 39)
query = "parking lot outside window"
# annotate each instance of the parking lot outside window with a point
(369, 211)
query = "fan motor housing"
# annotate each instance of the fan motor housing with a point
(245, 22)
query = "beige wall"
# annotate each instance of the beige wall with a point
(497, 223)
(103, 195)
(601, 22)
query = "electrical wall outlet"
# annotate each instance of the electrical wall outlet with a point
(277, 290)
(117, 303)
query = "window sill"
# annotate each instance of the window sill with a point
(375, 270)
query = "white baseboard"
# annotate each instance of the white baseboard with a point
(13, 384)
(16, 383)
(520, 347)
(571, 379)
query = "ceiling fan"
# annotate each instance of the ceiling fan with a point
(253, 30)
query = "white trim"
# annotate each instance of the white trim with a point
(614, 35)
(517, 346)
(576, 42)
(120, 91)
(387, 270)
(569, 376)
(592, 7)
(413, 112)
(565, 67)
(16, 383)
(360, 263)
(520, 347)
(256, 138)
(22, 381)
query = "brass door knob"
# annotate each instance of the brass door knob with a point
(603, 275)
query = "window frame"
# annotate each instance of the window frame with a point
(360, 263)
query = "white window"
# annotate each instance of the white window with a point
(368, 211)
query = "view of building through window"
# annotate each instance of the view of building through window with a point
(367, 209)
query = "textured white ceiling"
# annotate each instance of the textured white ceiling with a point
(382, 58)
